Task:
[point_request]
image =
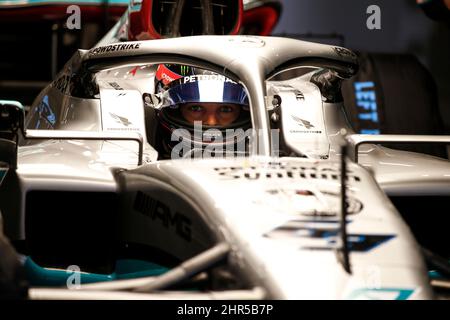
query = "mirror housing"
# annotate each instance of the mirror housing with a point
(12, 117)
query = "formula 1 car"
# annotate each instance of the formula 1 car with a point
(85, 195)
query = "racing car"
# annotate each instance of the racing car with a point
(85, 192)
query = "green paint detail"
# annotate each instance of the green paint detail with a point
(125, 269)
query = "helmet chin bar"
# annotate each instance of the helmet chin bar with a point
(176, 119)
(193, 139)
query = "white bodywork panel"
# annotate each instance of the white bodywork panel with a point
(262, 207)
(302, 117)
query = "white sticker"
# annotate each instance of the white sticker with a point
(122, 110)
(302, 119)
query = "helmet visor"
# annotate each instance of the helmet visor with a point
(204, 89)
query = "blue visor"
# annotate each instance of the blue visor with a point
(204, 88)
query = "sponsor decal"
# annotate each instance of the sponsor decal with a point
(115, 85)
(61, 83)
(122, 120)
(133, 71)
(304, 131)
(166, 75)
(314, 234)
(282, 171)
(312, 203)
(299, 95)
(123, 129)
(162, 213)
(201, 77)
(303, 123)
(248, 42)
(114, 47)
(353, 205)
(117, 118)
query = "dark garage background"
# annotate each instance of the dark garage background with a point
(404, 29)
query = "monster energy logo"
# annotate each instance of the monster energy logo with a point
(184, 70)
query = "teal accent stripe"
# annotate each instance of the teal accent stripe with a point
(373, 294)
(125, 269)
(436, 275)
(3, 173)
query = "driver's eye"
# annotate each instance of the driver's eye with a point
(226, 109)
(195, 108)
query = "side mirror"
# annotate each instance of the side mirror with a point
(12, 117)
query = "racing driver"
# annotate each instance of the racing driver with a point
(200, 114)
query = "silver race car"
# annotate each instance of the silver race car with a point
(103, 193)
